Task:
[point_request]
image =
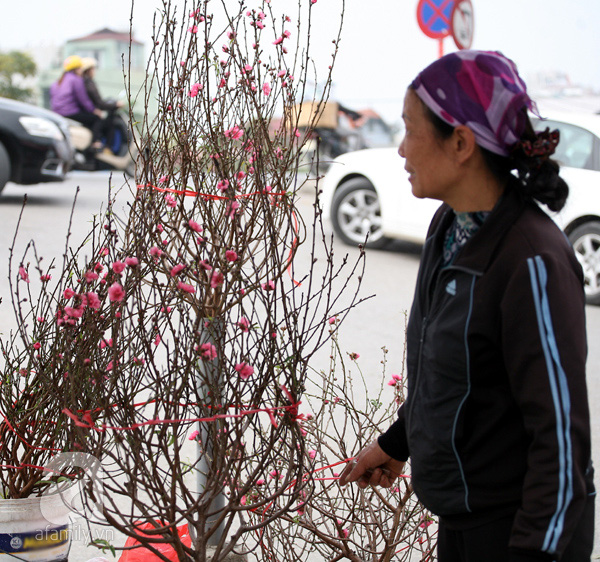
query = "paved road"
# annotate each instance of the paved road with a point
(390, 276)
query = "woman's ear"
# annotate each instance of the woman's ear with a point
(463, 143)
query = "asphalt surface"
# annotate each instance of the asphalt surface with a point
(389, 276)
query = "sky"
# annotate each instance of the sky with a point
(382, 47)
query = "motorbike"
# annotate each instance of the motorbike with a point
(119, 152)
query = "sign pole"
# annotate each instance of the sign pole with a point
(440, 47)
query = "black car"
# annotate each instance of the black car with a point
(35, 144)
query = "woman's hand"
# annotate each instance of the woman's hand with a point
(372, 467)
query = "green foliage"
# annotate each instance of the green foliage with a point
(14, 66)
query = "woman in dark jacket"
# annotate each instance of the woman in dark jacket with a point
(496, 421)
(88, 67)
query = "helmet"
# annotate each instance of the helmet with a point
(72, 62)
(87, 63)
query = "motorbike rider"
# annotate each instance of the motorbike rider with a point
(69, 97)
(88, 67)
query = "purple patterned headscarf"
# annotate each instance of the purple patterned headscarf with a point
(479, 89)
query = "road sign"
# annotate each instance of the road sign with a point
(434, 17)
(462, 24)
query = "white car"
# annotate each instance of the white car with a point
(367, 193)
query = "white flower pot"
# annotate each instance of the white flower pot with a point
(34, 533)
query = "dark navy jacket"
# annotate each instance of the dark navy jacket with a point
(496, 420)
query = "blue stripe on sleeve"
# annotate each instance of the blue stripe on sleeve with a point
(561, 399)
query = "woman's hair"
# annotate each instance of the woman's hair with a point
(538, 178)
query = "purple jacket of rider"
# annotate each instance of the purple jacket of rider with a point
(70, 96)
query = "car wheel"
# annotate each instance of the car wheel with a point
(586, 243)
(4, 167)
(356, 214)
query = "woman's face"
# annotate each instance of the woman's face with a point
(428, 157)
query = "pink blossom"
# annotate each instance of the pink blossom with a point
(274, 474)
(194, 226)
(332, 320)
(230, 34)
(157, 339)
(116, 293)
(160, 227)
(163, 179)
(268, 286)
(23, 274)
(216, 279)
(313, 1)
(233, 207)
(170, 201)
(68, 293)
(266, 88)
(90, 276)
(106, 343)
(98, 267)
(166, 309)
(104, 251)
(208, 351)
(260, 482)
(118, 267)
(193, 29)
(177, 269)
(132, 262)
(194, 435)
(223, 185)
(45, 278)
(40, 319)
(392, 382)
(155, 252)
(248, 68)
(287, 34)
(312, 453)
(74, 312)
(139, 361)
(37, 345)
(93, 301)
(278, 41)
(222, 83)
(244, 370)
(195, 89)
(244, 324)
(234, 133)
(205, 265)
(354, 356)
(185, 287)
(231, 256)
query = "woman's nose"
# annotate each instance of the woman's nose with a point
(401, 148)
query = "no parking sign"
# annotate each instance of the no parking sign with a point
(434, 17)
(440, 18)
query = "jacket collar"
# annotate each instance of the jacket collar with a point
(481, 248)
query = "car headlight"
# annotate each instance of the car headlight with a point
(40, 127)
